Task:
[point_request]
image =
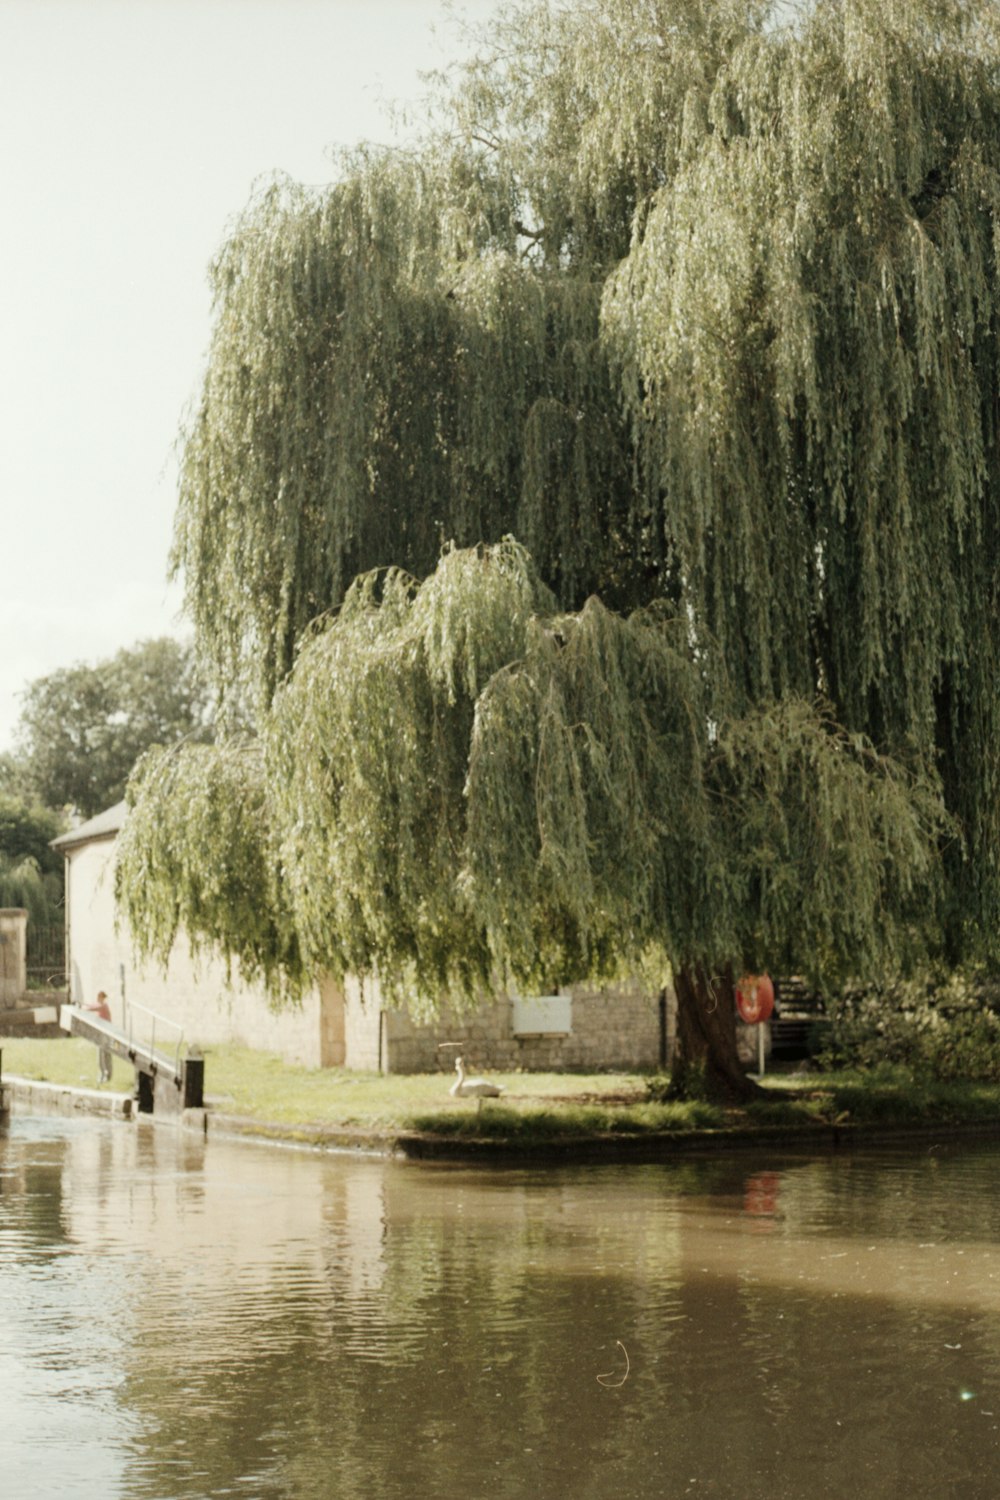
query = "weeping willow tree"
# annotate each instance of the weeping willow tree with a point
(24, 884)
(702, 307)
(457, 785)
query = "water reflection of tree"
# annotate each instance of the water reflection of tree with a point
(444, 1335)
(501, 1326)
(481, 1346)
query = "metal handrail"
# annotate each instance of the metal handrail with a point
(131, 1005)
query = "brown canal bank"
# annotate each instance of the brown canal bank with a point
(479, 1134)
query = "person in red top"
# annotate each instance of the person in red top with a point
(101, 1008)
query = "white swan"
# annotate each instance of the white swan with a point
(472, 1088)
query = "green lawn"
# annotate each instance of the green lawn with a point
(64, 1060)
(539, 1106)
(260, 1086)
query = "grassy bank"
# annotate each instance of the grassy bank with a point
(535, 1108)
(67, 1061)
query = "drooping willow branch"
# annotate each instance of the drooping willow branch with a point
(459, 787)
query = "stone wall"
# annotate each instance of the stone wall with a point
(13, 954)
(620, 1026)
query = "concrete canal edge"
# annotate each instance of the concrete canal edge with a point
(312, 1137)
(31, 1093)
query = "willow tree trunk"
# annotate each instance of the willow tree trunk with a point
(706, 1062)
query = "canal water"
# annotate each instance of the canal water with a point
(182, 1319)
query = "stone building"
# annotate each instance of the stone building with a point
(336, 1025)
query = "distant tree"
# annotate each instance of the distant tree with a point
(83, 728)
(26, 832)
(15, 781)
(31, 872)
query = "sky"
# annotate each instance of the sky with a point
(133, 132)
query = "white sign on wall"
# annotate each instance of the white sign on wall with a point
(543, 1015)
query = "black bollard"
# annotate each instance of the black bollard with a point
(193, 1084)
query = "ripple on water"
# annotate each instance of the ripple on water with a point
(182, 1322)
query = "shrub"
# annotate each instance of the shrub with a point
(935, 1027)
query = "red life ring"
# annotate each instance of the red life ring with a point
(755, 998)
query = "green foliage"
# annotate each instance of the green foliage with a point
(831, 849)
(932, 1028)
(83, 728)
(805, 330)
(386, 373)
(31, 874)
(15, 782)
(689, 1090)
(605, 815)
(584, 793)
(458, 786)
(24, 884)
(890, 1095)
(26, 831)
(582, 109)
(196, 853)
(702, 308)
(529, 1124)
(366, 758)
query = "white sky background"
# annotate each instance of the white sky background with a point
(132, 132)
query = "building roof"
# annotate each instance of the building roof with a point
(106, 825)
